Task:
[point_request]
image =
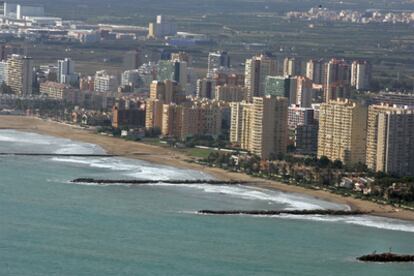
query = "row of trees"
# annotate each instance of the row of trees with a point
(311, 170)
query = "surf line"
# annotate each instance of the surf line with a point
(56, 154)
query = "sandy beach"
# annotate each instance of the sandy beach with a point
(165, 156)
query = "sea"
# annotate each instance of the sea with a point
(50, 226)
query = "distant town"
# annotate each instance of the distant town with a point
(314, 122)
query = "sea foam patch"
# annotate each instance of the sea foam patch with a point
(292, 201)
(364, 220)
(26, 142)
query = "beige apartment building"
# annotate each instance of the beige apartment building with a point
(256, 70)
(390, 139)
(153, 113)
(190, 119)
(20, 74)
(55, 90)
(230, 93)
(261, 126)
(342, 131)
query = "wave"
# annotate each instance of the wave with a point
(23, 137)
(46, 144)
(135, 168)
(293, 201)
(365, 220)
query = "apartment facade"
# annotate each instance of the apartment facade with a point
(342, 131)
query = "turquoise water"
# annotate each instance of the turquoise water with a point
(49, 226)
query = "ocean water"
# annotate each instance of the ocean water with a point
(49, 226)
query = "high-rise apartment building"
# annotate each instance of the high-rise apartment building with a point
(167, 91)
(230, 93)
(280, 86)
(20, 74)
(216, 61)
(3, 72)
(132, 60)
(315, 70)
(390, 139)
(173, 70)
(131, 78)
(392, 98)
(261, 127)
(153, 114)
(256, 70)
(190, 119)
(303, 91)
(342, 131)
(206, 88)
(303, 129)
(292, 66)
(105, 83)
(239, 123)
(361, 73)
(337, 80)
(66, 72)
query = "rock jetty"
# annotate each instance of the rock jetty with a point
(143, 182)
(386, 258)
(282, 212)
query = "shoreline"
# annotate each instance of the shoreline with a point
(164, 156)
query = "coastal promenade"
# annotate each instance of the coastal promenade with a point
(171, 157)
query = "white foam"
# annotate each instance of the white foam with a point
(22, 137)
(46, 144)
(102, 163)
(365, 220)
(293, 201)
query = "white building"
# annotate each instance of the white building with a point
(105, 82)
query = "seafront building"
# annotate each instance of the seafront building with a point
(342, 131)
(181, 121)
(390, 139)
(261, 126)
(20, 74)
(57, 91)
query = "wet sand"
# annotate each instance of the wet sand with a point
(166, 156)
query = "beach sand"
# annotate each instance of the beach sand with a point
(165, 156)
